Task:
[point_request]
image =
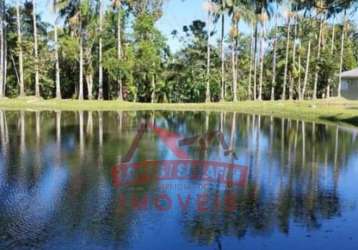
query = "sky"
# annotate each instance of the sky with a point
(176, 14)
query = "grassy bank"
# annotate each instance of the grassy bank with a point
(333, 110)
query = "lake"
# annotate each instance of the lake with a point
(175, 180)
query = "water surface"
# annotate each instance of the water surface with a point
(62, 184)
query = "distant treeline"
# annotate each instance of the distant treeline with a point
(295, 50)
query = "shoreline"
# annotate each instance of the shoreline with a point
(327, 110)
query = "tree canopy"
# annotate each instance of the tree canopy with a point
(289, 50)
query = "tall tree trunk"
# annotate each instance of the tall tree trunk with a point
(251, 62)
(299, 73)
(208, 55)
(80, 95)
(233, 67)
(307, 69)
(333, 34)
(37, 76)
(57, 66)
(222, 94)
(153, 89)
(19, 44)
(283, 97)
(119, 49)
(318, 57)
(273, 83)
(255, 59)
(262, 53)
(4, 72)
(292, 81)
(89, 81)
(100, 66)
(234, 62)
(14, 67)
(330, 80)
(341, 55)
(2, 49)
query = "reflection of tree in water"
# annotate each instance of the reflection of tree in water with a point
(306, 157)
(295, 168)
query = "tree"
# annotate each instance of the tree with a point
(36, 54)
(56, 45)
(274, 45)
(320, 38)
(100, 59)
(73, 12)
(210, 7)
(223, 12)
(137, 64)
(238, 10)
(148, 49)
(341, 55)
(118, 6)
(78, 22)
(3, 59)
(263, 19)
(283, 97)
(294, 50)
(19, 46)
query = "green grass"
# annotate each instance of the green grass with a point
(332, 110)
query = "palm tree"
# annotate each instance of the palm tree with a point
(341, 53)
(328, 89)
(234, 45)
(2, 50)
(263, 19)
(283, 97)
(100, 66)
(72, 11)
(274, 44)
(292, 80)
(57, 60)
(79, 21)
(238, 10)
(37, 76)
(261, 8)
(251, 62)
(220, 15)
(223, 11)
(209, 7)
(117, 4)
(19, 44)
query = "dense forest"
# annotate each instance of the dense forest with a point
(98, 49)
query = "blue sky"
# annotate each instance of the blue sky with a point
(177, 13)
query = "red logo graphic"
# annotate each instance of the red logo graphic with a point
(127, 174)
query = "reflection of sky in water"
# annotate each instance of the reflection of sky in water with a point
(301, 194)
(32, 209)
